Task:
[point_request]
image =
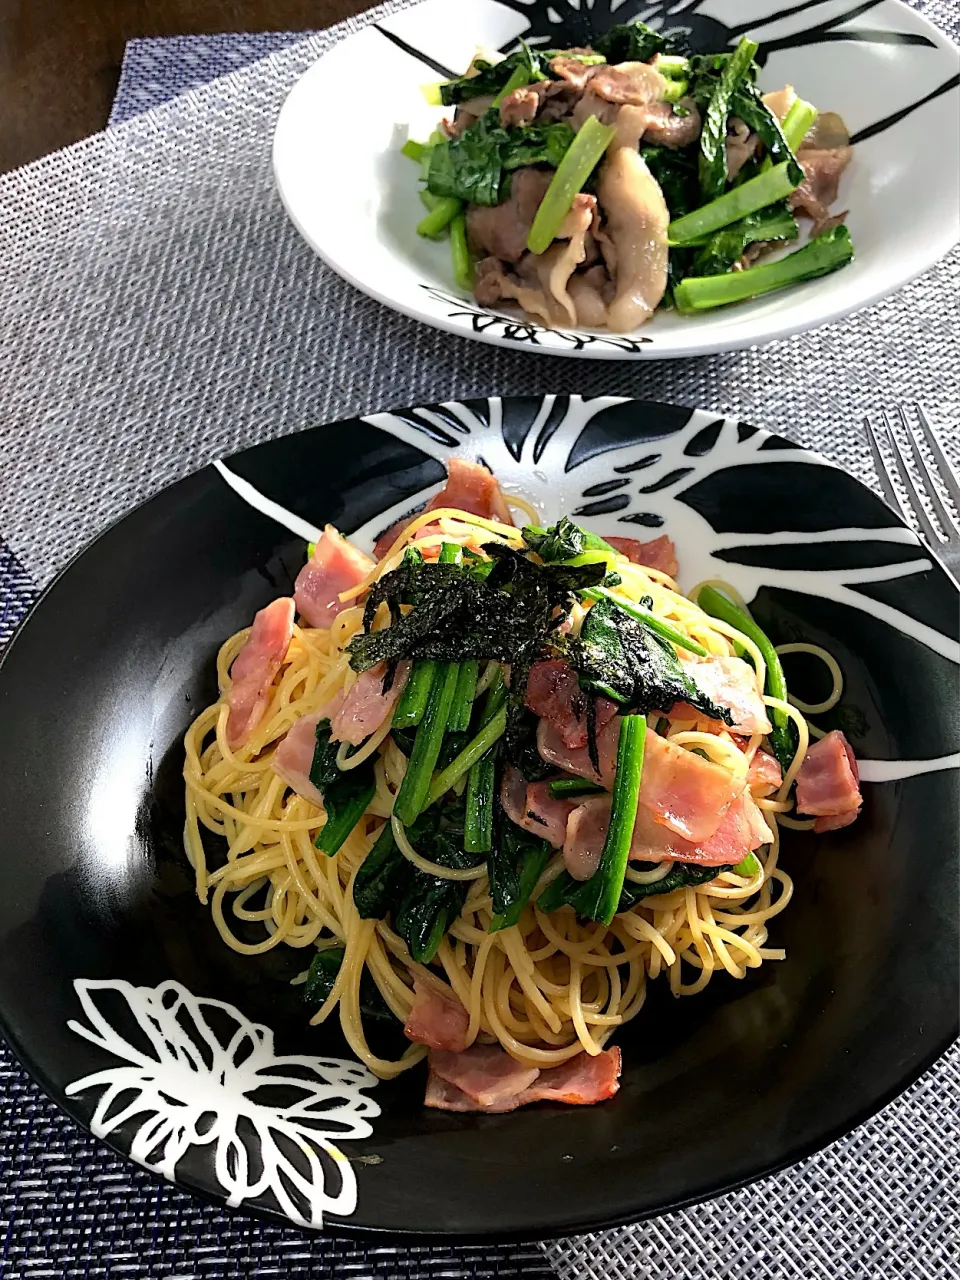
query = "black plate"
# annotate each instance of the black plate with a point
(117, 657)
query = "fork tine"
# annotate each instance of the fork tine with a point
(913, 494)
(947, 474)
(880, 466)
(947, 522)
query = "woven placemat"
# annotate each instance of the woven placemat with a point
(159, 311)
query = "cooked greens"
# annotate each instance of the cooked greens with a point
(346, 794)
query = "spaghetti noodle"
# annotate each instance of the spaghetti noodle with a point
(550, 985)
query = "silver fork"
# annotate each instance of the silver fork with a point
(944, 541)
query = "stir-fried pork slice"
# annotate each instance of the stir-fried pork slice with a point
(668, 128)
(466, 114)
(591, 292)
(501, 230)
(659, 553)
(637, 219)
(470, 487)
(822, 171)
(572, 70)
(255, 667)
(484, 1072)
(336, 565)
(730, 682)
(437, 1017)
(828, 784)
(540, 283)
(741, 145)
(632, 84)
(780, 101)
(366, 705)
(519, 107)
(531, 806)
(581, 1081)
(293, 757)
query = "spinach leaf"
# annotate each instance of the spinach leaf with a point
(323, 972)
(490, 77)
(346, 793)
(514, 864)
(635, 42)
(618, 657)
(562, 541)
(562, 892)
(421, 906)
(726, 247)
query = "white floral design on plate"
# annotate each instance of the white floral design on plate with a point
(192, 1071)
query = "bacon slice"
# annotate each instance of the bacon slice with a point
(255, 667)
(294, 756)
(586, 831)
(554, 694)
(764, 774)
(470, 487)
(366, 706)
(659, 553)
(437, 1018)
(742, 829)
(532, 807)
(581, 1081)
(485, 1073)
(336, 565)
(828, 784)
(730, 682)
(576, 760)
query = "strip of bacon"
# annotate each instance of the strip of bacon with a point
(764, 774)
(480, 1081)
(532, 807)
(336, 565)
(660, 553)
(730, 683)
(366, 706)
(437, 1018)
(294, 756)
(255, 667)
(484, 1072)
(470, 487)
(554, 694)
(828, 784)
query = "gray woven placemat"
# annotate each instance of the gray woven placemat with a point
(158, 311)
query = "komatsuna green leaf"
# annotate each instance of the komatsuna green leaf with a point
(726, 247)
(713, 135)
(563, 541)
(635, 42)
(562, 891)
(473, 166)
(490, 77)
(619, 658)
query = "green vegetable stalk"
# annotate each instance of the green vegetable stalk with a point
(575, 168)
(413, 701)
(443, 213)
(599, 897)
(412, 796)
(478, 817)
(828, 252)
(648, 618)
(757, 193)
(460, 254)
(467, 758)
(571, 788)
(719, 606)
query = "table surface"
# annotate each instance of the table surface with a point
(60, 59)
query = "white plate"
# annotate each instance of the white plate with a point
(890, 74)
